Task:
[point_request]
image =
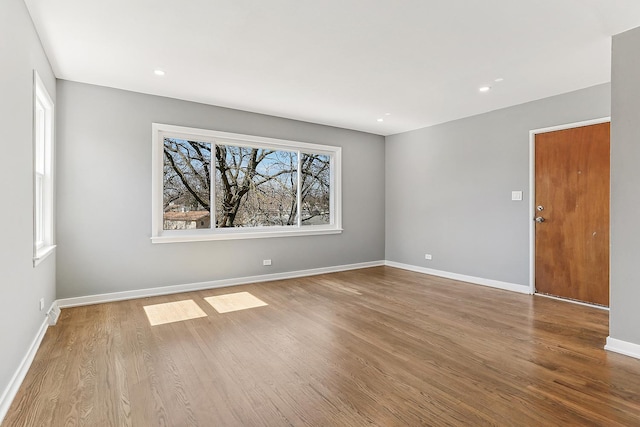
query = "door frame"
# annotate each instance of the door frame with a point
(532, 188)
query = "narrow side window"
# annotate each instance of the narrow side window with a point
(43, 132)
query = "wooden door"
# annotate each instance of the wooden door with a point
(572, 187)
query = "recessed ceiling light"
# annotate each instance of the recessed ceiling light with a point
(387, 114)
(158, 72)
(485, 89)
(498, 80)
(381, 120)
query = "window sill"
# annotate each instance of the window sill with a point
(235, 235)
(42, 254)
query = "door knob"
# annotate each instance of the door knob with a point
(539, 219)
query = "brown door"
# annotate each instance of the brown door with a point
(572, 198)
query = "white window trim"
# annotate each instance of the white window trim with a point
(158, 235)
(45, 247)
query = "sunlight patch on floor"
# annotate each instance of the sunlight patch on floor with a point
(234, 302)
(159, 314)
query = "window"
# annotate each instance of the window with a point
(43, 244)
(210, 185)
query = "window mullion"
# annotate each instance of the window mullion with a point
(299, 190)
(212, 187)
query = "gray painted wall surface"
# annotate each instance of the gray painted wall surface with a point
(625, 188)
(448, 187)
(21, 285)
(104, 200)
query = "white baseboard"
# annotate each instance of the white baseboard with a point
(523, 289)
(623, 347)
(16, 381)
(174, 289)
(166, 290)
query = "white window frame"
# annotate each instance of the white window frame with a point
(43, 167)
(159, 235)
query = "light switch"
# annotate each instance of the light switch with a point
(516, 195)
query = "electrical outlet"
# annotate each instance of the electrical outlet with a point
(427, 256)
(266, 262)
(41, 304)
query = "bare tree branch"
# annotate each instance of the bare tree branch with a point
(185, 182)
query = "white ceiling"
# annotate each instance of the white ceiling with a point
(344, 63)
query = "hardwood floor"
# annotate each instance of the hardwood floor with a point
(379, 346)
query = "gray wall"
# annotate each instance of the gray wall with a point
(104, 200)
(625, 188)
(448, 187)
(21, 285)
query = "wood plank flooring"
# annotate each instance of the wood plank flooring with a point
(378, 346)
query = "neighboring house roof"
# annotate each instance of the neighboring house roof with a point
(186, 216)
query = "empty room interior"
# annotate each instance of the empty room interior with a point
(335, 213)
